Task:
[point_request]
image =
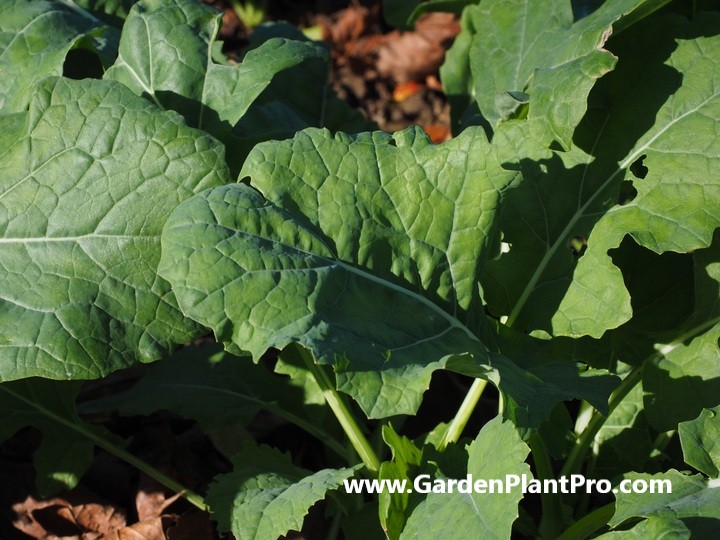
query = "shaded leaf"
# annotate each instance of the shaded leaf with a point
(266, 496)
(66, 451)
(543, 282)
(406, 458)
(653, 527)
(684, 376)
(218, 390)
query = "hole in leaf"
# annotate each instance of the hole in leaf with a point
(578, 245)
(627, 192)
(82, 64)
(638, 169)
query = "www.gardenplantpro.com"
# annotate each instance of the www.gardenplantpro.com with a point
(362, 288)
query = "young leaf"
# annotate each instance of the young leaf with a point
(66, 450)
(533, 47)
(177, 72)
(406, 457)
(493, 514)
(87, 178)
(545, 281)
(700, 439)
(266, 496)
(35, 38)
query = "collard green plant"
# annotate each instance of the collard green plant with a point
(562, 248)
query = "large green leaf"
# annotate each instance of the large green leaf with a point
(366, 250)
(508, 48)
(87, 179)
(35, 38)
(67, 447)
(342, 258)
(266, 496)
(570, 199)
(177, 72)
(470, 514)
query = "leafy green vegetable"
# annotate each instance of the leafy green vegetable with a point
(65, 452)
(87, 178)
(694, 499)
(266, 496)
(491, 513)
(308, 275)
(35, 38)
(338, 256)
(404, 465)
(522, 46)
(539, 283)
(178, 73)
(700, 439)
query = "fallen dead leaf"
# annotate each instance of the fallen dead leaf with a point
(437, 132)
(405, 90)
(149, 529)
(415, 55)
(57, 518)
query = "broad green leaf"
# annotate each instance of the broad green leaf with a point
(470, 514)
(534, 47)
(541, 282)
(700, 439)
(406, 458)
(366, 250)
(66, 450)
(87, 179)
(694, 499)
(217, 390)
(35, 38)
(177, 72)
(341, 258)
(266, 496)
(653, 527)
(683, 377)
